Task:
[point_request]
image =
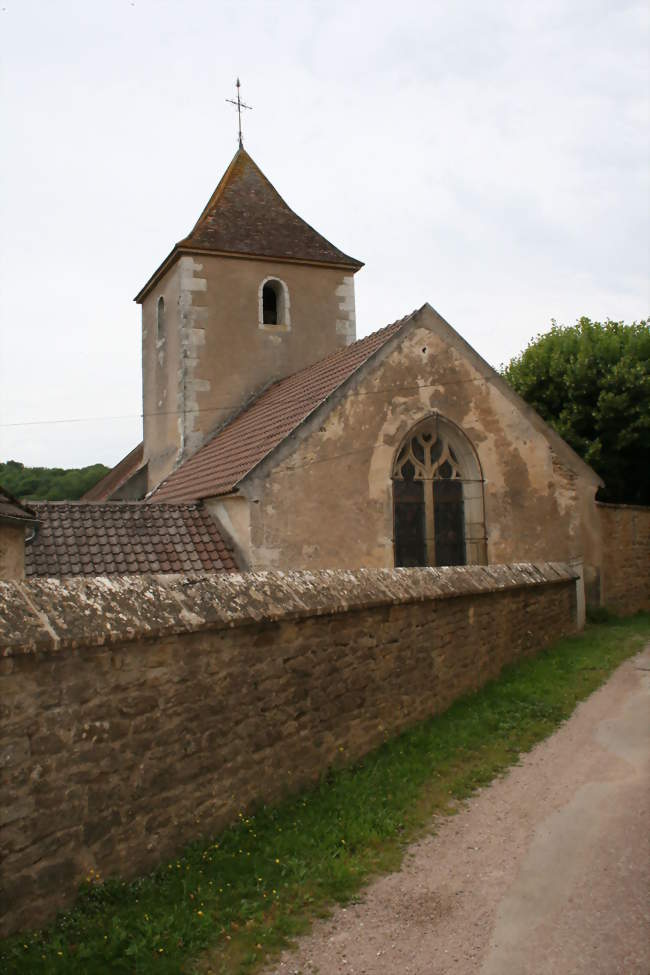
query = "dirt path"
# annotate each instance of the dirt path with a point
(546, 872)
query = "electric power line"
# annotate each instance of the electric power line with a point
(230, 406)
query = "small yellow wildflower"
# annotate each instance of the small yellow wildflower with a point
(200, 913)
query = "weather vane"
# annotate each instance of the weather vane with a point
(240, 104)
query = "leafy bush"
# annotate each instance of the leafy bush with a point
(591, 382)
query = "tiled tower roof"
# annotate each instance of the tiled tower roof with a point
(247, 217)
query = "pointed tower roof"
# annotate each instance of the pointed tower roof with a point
(247, 217)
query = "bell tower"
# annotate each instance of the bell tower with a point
(251, 295)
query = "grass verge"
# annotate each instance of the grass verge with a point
(227, 904)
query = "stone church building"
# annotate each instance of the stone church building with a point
(304, 447)
(313, 450)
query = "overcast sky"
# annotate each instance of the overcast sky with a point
(490, 158)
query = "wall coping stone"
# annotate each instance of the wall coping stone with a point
(612, 505)
(47, 614)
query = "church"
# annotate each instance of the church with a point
(270, 431)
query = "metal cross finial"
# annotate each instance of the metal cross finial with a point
(240, 104)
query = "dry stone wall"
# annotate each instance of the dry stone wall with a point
(140, 713)
(625, 580)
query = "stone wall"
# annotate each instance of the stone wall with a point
(140, 713)
(12, 550)
(625, 574)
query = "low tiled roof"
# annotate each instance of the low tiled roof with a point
(124, 537)
(247, 216)
(11, 509)
(117, 476)
(234, 451)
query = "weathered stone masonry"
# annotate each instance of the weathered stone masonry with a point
(139, 713)
(625, 581)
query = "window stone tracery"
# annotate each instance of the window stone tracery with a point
(430, 456)
(437, 497)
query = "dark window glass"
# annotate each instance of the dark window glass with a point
(418, 450)
(410, 545)
(408, 471)
(449, 522)
(269, 304)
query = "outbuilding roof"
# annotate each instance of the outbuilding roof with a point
(117, 476)
(11, 509)
(218, 466)
(121, 537)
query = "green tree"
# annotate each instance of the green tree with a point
(49, 483)
(591, 382)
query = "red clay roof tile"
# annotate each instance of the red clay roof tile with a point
(123, 536)
(218, 466)
(11, 509)
(117, 476)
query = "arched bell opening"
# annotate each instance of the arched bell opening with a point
(274, 303)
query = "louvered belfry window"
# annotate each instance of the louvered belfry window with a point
(437, 498)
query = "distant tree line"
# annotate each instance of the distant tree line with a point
(591, 382)
(49, 483)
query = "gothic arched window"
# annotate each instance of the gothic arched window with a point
(438, 498)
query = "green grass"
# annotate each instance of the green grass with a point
(227, 904)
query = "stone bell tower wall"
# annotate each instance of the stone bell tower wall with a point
(214, 352)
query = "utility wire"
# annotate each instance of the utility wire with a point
(233, 406)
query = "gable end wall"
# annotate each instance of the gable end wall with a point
(324, 499)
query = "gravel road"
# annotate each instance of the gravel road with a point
(545, 872)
